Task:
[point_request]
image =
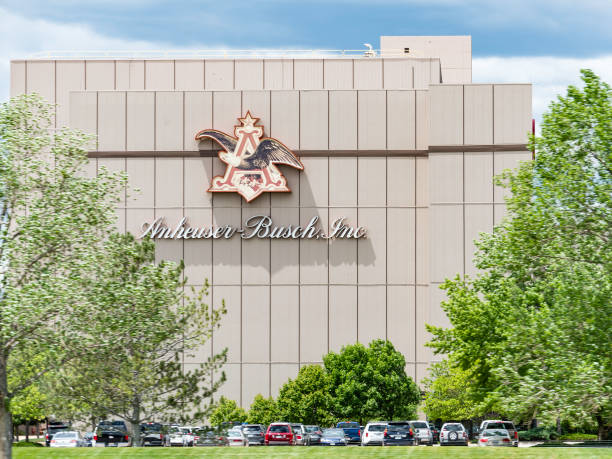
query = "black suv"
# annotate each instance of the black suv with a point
(152, 434)
(398, 433)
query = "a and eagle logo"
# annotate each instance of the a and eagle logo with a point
(251, 160)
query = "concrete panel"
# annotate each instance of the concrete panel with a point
(401, 246)
(422, 120)
(278, 74)
(313, 120)
(18, 78)
(280, 373)
(422, 372)
(500, 212)
(89, 169)
(285, 114)
(308, 73)
(478, 114)
(249, 74)
(401, 184)
(231, 388)
(437, 316)
(159, 75)
(512, 113)
(169, 121)
(401, 120)
(478, 176)
(372, 120)
(198, 173)
(422, 246)
(140, 121)
(314, 253)
(436, 72)
(343, 252)
(478, 218)
(342, 316)
(446, 115)
(422, 181)
(111, 121)
(368, 74)
(134, 219)
(372, 268)
(342, 181)
(313, 322)
(423, 353)
(167, 250)
(141, 182)
(99, 75)
(120, 219)
(422, 73)
(258, 102)
(314, 182)
(398, 74)
(255, 256)
(338, 73)
(291, 199)
(189, 75)
(169, 182)
(130, 75)
(201, 354)
(445, 177)
(198, 116)
(446, 243)
(218, 75)
(285, 323)
(83, 110)
(228, 335)
(401, 319)
(372, 179)
(256, 381)
(460, 75)
(343, 120)
(198, 252)
(372, 313)
(70, 77)
(226, 252)
(503, 160)
(285, 254)
(256, 324)
(40, 79)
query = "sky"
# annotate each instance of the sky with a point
(544, 42)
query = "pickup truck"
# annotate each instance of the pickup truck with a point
(111, 433)
(352, 431)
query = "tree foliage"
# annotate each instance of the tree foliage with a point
(534, 328)
(371, 383)
(227, 410)
(262, 411)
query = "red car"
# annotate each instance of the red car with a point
(280, 433)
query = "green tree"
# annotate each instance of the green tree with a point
(145, 325)
(262, 411)
(371, 383)
(227, 410)
(535, 326)
(52, 221)
(307, 398)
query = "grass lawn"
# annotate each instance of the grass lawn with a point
(314, 452)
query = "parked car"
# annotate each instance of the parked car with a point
(422, 433)
(254, 433)
(497, 424)
(313, 435)
(208, 436)
(176, 437)
(398, 433)
(152, 434)
(435, 432)
(53, 429)
(279, 433)
(111, 433)
(352, 431)
(453, 433)
(334, 437)
(88, 439)
(188, 434)
(373, 433)
(494, 437)
(299, 433)
(67, 439)
(236, 437)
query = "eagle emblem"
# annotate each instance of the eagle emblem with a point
(251, 160)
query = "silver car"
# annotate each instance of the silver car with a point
(236, 437)
(422, 433)
(67, 439)
(453, 433)
(300, 434)
(494, 437)
(504, 425)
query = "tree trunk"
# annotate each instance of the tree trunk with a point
(6, 424)
(135, 422)
(27, 432)
(602, 431)
(559, 426)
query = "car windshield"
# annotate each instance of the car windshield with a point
(185, 430)
(296, 427)
(234, 433)
(252, 429)
(348, 425)
(495, 433)
(420, 425)
(152, 427)
(65, 435)
(279, 429)
(312, 428)
(377, 428)
(453, 427)
(402, 426)
(333, 433)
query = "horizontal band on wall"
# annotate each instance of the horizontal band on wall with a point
(315, 153)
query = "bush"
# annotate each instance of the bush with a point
(539, 434)
(19, 444)
(578, 436)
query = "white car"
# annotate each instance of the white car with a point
(422, 433)
(236, 437)
(494, 437)
(176, 437)
(67, 439)
(498, 424)
(373, 433)
(188, 435)
(453, 433)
